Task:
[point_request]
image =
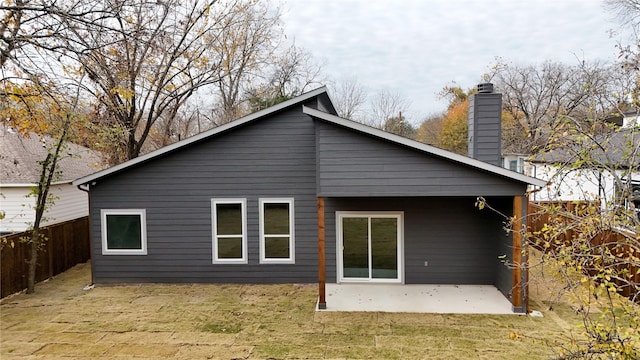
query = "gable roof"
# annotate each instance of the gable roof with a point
(322, 91)
(19, 157)
(464, 160)
(612, 149)
(325, 116)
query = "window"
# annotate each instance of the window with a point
(276, 231)
(229, 231)
(513, 165)
(628, 194)
(124, 232)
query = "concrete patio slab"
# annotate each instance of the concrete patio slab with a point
(439, 299)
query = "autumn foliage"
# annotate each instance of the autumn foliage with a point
(453, 134)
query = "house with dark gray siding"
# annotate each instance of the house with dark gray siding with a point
(296, 194)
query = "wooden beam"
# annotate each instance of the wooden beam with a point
(518, 259)
(322, 301)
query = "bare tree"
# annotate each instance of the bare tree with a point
(386, 104)
(537, 97)
(41, 24)
(150, 64)
(349, 97)
(627, 11)
(293, 72)
(246, 46)
(147, 60)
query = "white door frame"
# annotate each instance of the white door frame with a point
(399, 215)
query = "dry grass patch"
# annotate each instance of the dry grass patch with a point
(18, 349)
(291, 327)
(190, 352)
(195, 338)
(248, 322)
(40, 327)
(19, 336)
(218, 328)
(346, 328)
(365, 352)
(135, 337)
(73, 350)
(101, 326)
(148, 350)
(288, 351)
(70, 338)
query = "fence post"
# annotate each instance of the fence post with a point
(50, 247)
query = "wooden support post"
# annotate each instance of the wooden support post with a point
(322, 301)
(526, 279)
(519, 258)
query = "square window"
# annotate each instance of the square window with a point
(513, 165)
(229, 231)
(277, 231)
(124, 232)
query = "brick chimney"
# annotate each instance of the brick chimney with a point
(485, 125)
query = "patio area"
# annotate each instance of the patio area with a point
(437, 299)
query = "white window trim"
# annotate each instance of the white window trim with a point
(292, 250)
(366, 214)
(214, 227)
(143, 231)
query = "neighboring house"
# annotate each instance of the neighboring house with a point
(20, 171)
(518, 163)
(295, 194)
(593, 180)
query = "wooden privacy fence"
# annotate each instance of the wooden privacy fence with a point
(67, 245)
(612, 239)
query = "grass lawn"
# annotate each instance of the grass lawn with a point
(247, 322)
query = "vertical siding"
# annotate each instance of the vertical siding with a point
(352, 164)
(485, 128)
(461, 244)
(274, 157)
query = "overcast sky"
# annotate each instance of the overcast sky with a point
(417, 47)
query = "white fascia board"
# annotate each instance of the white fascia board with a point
(423, 147)
(17, 185)
(201, 136)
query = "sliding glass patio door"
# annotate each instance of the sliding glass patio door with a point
(369, 246)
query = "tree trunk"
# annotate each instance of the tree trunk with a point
(33, 261)
(49, 166)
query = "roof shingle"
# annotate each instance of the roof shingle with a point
(19, 157)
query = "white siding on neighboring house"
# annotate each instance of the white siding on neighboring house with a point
(70, 203)
(580, 184)
(18, 209)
